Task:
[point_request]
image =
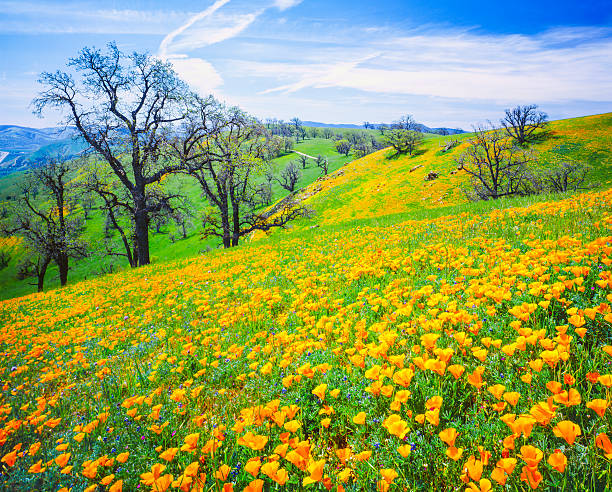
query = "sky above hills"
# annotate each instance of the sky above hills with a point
(450, 63)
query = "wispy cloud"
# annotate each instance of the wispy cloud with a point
(169, 39)
(41, 18)
(208, 27)
(286, 4)
(557, 65)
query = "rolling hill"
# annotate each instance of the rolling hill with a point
(23, 147)
(376, 187)
(381, 184)
(446, 346)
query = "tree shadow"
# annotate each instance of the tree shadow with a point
(396, 155)
(542, 136)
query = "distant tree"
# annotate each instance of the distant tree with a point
(522, 121)
(275, 147)
(124, 107)
(406, 122)
(355, 137)
(327, 133)
(303, 160)
(566, 176)
(298, 129)
(496, 166)
(49, 225)
(343, 147)
(182, 218)
(87, 205)
(404, 136)
(323, 164)
(33, 265)
(403, 141)
(315, 132)
(289, 143)
(362, 149)
(289, 176)
(375, 143)
(262, 195)
(223, 149)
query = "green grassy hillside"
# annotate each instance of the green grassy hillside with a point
(381, 184)
(376, 186)
(463, 350)
(162, 248)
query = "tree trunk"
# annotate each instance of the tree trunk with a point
(41, 275)
(135, 255)
(227, 238)
(128, 251)
(141, 227)
(236, 224)
(62, 265)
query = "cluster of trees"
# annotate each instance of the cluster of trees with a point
(384, 127)
(292, 172)
(500, 161)
(142, 125)
(292, 129)
(404, 136)
(286, 134)
(359, 142)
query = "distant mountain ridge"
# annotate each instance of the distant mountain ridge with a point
(23, 147)
(419, 126)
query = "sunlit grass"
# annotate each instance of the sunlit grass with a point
(465, 349)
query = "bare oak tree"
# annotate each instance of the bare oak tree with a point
(404, 136)
(496, 166)
(522, 121)
(566, 176)
(123, 106)
(48, 223)
(323, 164)
(344, 147)
(223, 149)
(289, 176)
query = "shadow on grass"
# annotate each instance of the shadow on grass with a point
(396, 155)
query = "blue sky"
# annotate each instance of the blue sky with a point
(448, 63)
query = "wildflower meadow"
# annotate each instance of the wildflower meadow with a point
(468, 351)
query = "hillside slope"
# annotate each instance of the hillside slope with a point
(22, 148)
(376, 186)
(381, 184)
(165, 244)
(369, 358)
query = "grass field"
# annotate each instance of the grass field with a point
(161, 246)
(446, 346)
(377, 185)
(426, 353)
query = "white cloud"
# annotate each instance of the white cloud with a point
(168, 40)
(33, 17)
(198, 73)
(210, 30)
(205, 28)
(558, 65)
(286, 4)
